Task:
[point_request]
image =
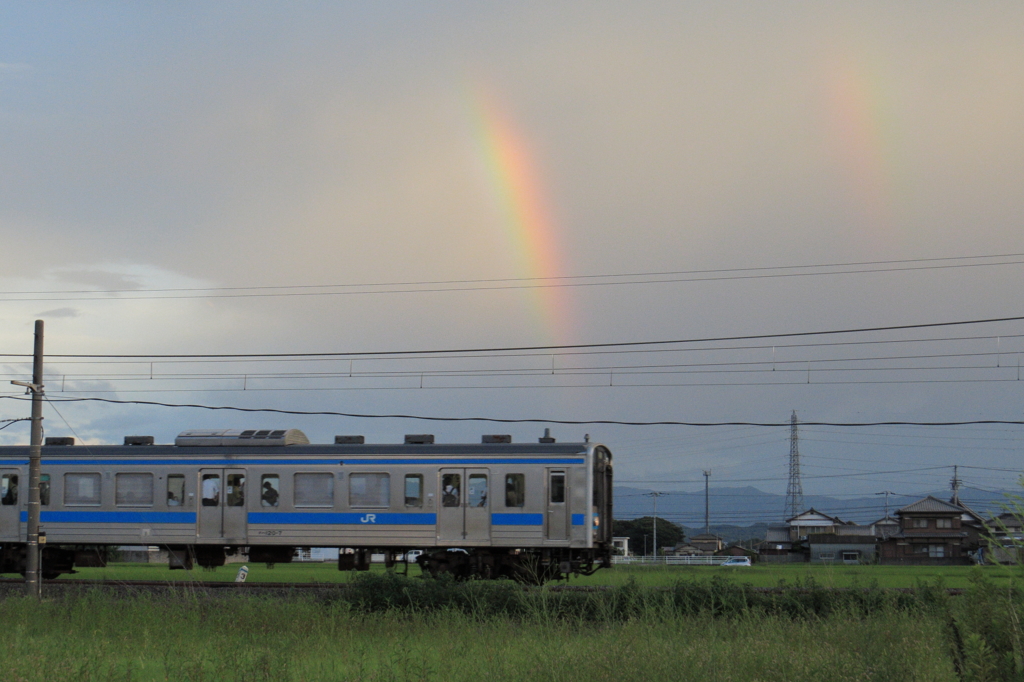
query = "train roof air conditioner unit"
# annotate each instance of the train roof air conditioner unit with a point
(234, 438)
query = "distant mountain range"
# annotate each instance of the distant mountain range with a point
(744, 507)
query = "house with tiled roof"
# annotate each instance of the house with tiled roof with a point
(885, 526)
(931, 531)
(811, 522)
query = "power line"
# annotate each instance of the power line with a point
(747, 366)
(588, 386)
(7, 422)
(402, 356)
(522, 282)
(619, 344)
(570, 422)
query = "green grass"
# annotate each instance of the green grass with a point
(386, 627)
(96, 637)
(770, 575)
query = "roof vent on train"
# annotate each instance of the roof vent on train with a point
(546, 438)
(349, 440)
(419, 439)
(235, 438)
(139, 440)
(59, 440)
(497, 438)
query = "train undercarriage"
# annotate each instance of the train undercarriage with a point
(530, 566)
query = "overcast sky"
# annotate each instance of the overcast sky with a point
(232, 146)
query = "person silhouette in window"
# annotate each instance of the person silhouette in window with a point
(211, 491)
(450, 497)
(269, 495)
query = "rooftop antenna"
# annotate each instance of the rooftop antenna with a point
(795, 489)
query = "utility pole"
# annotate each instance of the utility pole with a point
(887, 493)
(707, 507)
(955, 485)
(655, 496)
(33, 580)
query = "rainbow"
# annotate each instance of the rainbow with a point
(862, 133)
(526, 219)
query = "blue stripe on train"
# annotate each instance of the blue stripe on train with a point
(360, 518)
(517, 519)
(277, 518)
(464, 461)
(113, 517)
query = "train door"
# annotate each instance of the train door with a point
(11, 493)
(465, 513)
(557, 516)
(222, 510)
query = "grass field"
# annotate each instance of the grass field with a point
(238, 637)
(699, 625)
(764, 575)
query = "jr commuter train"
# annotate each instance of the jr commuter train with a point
(528, 511)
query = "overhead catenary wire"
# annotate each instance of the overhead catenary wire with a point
(719, 367)
(403, 357)
(571, 346)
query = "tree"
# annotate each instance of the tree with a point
(669, 534)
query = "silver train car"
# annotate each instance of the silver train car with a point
(528, 511)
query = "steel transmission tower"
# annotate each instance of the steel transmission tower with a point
(795, 489)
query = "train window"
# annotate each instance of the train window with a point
(451, 484)
(211, 490)
(557, 486)
(369, 490)
(235, 494)
(413, 490)
(44, 490)
(81, 489)
(133, 490)
(477, 490)
(9, 489)
(515, 490)
(175, 490)
(314, 490)
(270, 491)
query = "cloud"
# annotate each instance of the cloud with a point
(99, 278)
(60, 312)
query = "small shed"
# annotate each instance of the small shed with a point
(828, 548)
(707, 543)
